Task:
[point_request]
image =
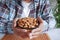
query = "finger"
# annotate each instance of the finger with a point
(21, 30)
(24, 30)
(35, 34)
(14, 22)
(40, 19)
(31, 37)
(36, 30)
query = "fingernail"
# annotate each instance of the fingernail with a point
(25, 30)
(32, 37)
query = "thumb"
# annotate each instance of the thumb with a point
(40, 19)
(14, 22)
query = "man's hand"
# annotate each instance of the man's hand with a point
(18, 31)
(38, 30)
(14, 22)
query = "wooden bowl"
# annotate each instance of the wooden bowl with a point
(27, 23)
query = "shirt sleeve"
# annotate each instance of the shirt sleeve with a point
(48, 14)
(12, 14)
(12, 10)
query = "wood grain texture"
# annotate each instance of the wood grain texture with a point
(14, 37)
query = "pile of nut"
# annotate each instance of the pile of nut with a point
(27, 22)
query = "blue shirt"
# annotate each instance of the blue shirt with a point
(16, 11)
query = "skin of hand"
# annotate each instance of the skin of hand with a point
(23, 32)
(18, 31)
(37, 31)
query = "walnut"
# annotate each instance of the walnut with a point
(28, 22)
